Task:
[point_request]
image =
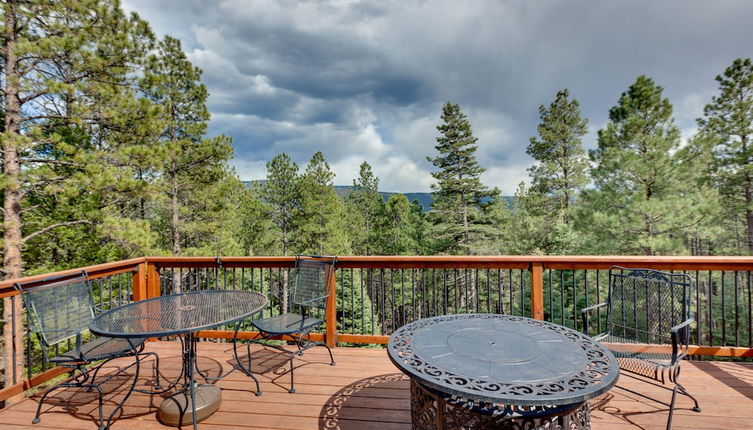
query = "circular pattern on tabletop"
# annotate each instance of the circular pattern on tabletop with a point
(503, 359)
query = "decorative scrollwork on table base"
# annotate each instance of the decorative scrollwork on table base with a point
(430, 411)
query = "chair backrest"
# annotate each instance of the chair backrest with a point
(59, 309)
(311, 279)
(644, 304)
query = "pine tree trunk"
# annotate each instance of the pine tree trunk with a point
(12, 239)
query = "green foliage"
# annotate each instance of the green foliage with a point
(364, 206)
(321, 219)
(727, 125)
(281, 191)
(458, 190)
(562, 169)
(399, 227)
(190, 175)
(644, 201)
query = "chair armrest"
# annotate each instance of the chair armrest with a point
(676, 340)
(584, 316)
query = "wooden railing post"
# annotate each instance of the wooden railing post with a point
(139, 282)
(537, 291)
(331, 337)
(152, 280)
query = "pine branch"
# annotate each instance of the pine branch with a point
(52, 227)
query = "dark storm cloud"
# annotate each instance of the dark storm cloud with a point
(366, 80)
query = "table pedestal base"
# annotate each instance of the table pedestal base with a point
(208, 399)
(430, 411)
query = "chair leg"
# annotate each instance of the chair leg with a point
(292, 380)
(331, 357)
(41, 401)
(696, 408)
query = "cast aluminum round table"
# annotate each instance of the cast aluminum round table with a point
(182, 314)
(500, 371)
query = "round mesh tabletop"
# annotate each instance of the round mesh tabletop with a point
(503, 359)
(177, 313)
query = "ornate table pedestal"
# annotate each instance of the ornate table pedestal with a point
(431, 411)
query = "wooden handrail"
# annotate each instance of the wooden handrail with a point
(96, 271)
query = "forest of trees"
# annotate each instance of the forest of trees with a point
(105, 156)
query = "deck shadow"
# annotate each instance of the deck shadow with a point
(82, 404)
(369, 399)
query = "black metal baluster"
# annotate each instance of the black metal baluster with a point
(499, 290)
(383, 293)
(509, 284)
(562, 297)
(522, 295)
(737, 312)
(724, 315)
(575, 302)
(598, 300)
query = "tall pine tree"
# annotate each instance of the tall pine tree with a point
(728, 124)
(365, 204)
(458, 189)
(643, 202)
(321, 220)
(562, 168)
(192, 166)
(282, 192)
(68, 66)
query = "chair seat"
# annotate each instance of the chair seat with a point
(100, 348)
(286, 324)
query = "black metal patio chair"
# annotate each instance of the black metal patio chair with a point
(646, 311)
(309, 291)
(59, 312)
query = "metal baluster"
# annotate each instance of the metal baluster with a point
(383, 293)
(562, 297)
(598, 300)
(724, 315)
(737, 312)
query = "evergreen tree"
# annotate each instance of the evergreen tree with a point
(399, 227)
(728, 125)
(643, 202)
(458, 189)
(562, 166)
(68, 67)
(192, 167)
(281, 191)
(321, 220)
(257, 232)
(365, 204)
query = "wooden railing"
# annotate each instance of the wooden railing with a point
(373, 295)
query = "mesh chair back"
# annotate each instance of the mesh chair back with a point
(644, 304)
(59, 310)
(311, 276)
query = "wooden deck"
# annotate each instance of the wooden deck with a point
(365, 391)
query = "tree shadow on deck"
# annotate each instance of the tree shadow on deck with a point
(378, 402)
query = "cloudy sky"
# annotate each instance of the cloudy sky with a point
(367, 80)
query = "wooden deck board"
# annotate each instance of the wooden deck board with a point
(365, 391)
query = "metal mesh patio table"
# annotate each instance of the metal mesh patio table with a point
(500, 371)
(183, 315)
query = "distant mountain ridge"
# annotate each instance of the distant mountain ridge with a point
(424, 199)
